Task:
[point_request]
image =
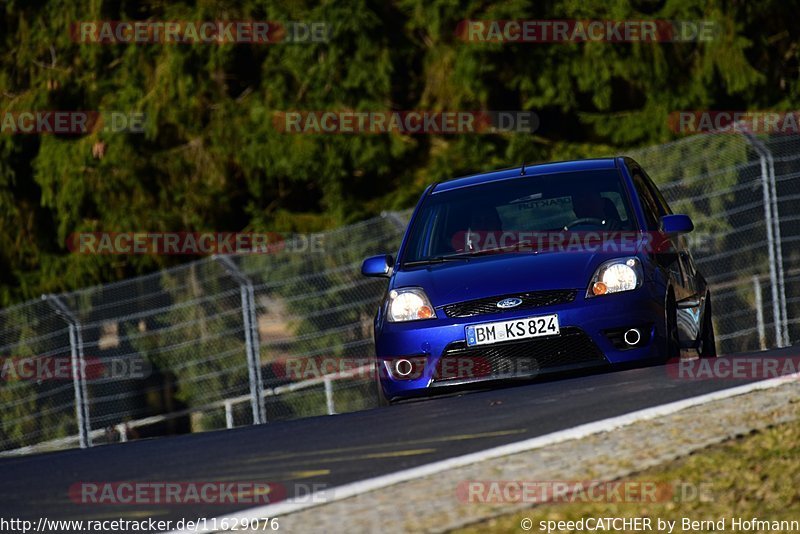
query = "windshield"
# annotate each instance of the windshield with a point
(456, 222)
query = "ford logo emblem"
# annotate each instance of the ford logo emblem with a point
(512, 302)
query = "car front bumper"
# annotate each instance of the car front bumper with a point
(590, 336)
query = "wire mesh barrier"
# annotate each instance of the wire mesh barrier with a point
(34, 412)
(740, 191)
(220, 342)
(240, 339)
(721, 181)
(782, 155)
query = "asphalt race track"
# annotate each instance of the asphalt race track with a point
(334, 450)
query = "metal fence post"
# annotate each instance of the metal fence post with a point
(776, 220)
(228, 414)
(329, 396)
(78, 369)
(250, 338)
(396, 219)
(762, 336)
(773, 247)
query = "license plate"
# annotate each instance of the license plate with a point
(485, 334)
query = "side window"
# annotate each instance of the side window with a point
(649, 203)
(664, 208)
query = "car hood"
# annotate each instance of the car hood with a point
(504, 273)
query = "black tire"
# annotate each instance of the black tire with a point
(708, 347)
(673, 348)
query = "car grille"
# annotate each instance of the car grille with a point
(524, 358)
(533, 299)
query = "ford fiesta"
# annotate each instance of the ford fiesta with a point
(549, 268)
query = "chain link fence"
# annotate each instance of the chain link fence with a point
(783, 165)
(236, 340)
(726, 183)
(177, 351)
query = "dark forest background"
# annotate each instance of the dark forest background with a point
(210, 158)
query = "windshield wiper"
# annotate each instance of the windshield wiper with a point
(436, 259)
(507, 248)
(465, 255)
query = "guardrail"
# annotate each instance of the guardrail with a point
(123, 429)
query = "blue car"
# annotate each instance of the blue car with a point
(518, 273)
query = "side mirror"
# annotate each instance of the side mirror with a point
(380, 266)
(676, 224)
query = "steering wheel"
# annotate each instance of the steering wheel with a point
(585, 220)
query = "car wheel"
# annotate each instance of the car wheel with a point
(708, 340)
(673, 348)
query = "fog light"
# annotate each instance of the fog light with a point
(403, 367)
(632, 337)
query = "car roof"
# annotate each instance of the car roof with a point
(530, 170)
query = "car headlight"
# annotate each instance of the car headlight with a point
(615, 276)
(409, 304)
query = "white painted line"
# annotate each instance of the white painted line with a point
(606, 425)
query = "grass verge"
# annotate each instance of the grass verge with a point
(754, 476)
